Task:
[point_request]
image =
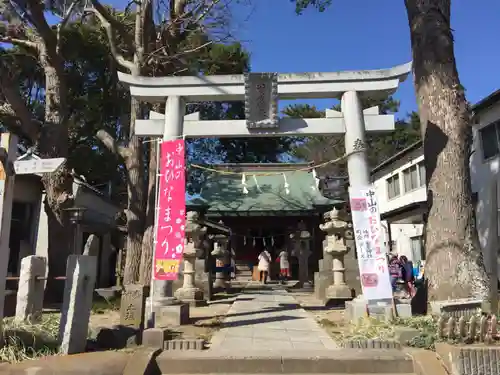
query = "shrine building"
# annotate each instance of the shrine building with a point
(263, 204)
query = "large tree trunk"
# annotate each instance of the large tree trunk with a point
(134, 163)
(454, 266)
(58, 185)
(147, 241)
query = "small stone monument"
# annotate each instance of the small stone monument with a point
(31, 288)
(301, 243)
(338, 230)
(189, 292)
(132, 305)
(81, 271)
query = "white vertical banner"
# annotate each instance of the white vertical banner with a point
(372, 258)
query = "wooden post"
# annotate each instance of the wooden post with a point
(8, 145)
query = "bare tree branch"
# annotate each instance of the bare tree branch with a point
(43, 28)
(112, 145)
(16, 107)
(19, 42)
(114, 23)
(68, 14)
(110, 32)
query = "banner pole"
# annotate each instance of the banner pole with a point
(151, 320)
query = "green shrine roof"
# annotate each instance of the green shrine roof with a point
(286, 192)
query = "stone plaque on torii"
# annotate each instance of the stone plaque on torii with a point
(352, 121)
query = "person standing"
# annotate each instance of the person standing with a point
(395, 271)
(264, 265)
(284, 266)
(407, 268)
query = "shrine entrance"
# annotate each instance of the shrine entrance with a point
(261, 93)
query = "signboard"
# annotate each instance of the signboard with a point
(261, 100)
(34, 166)
(171, 216)
(372, 257)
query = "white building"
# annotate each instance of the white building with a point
(400, 182)
(400, 185)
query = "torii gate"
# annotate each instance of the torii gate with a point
(261, 93)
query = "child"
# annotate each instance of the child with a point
(407, 268)
(264, 265)
(395, 270)
(284, 266)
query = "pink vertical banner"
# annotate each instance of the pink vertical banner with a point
(171, 217)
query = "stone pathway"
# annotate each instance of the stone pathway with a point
(267, 317)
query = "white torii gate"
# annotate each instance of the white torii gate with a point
(261, 93)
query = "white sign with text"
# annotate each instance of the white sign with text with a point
(372, 257)
(33, 166)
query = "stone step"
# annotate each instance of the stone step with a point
(341, 361)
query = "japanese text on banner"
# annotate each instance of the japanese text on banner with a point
(373, 268)
(171, 215)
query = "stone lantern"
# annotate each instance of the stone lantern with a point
(195, 233)
(301, 249)
(221, 255)
(338, 230)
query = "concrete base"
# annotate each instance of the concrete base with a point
(338, 294)
(457, 308)
(191, 296)
(358, 309)
(173, 315)
(468, 360)
(339, 361)
(322, 280)
(221, 284)
(403, 310)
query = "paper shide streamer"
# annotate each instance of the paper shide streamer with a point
(287, 185)
(244, 183)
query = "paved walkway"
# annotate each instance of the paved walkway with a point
(268, 318)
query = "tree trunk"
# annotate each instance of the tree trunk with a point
(58, 185)
(454, 265)
(134, 163)
(147, 241)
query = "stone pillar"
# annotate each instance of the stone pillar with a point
(174, 122)
(357, 165)
(337, 229)
(75, 312)
(8, 142)
(190, 293)
(302, 251)
(221, 255)
(29, 303)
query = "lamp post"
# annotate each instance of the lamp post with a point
(75, 217)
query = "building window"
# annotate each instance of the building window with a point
(489, 139)
(414, 176)
(416, 249)
(421, 172)
(393, 189)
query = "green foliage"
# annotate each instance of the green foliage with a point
(301, 5)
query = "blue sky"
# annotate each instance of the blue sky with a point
(363, 34)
